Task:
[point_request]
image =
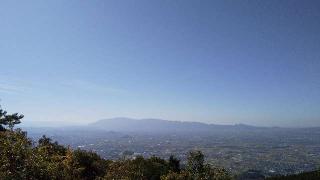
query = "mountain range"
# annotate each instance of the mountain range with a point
(159, 125)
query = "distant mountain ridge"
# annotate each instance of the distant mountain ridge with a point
(159, 125)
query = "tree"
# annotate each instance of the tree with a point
(195, 164)
(16, 154)
(139, 168)
(174, 164)
(182, 175)
(9, 120)
(50, 148)
(49, 158)
(197, 169)
(214, 173)
(81, 164)
(15, 147)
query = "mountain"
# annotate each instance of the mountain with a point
(159, 125)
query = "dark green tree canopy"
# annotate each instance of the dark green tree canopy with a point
(9, 120)
(195, 162)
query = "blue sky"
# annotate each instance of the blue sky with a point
(224, 62)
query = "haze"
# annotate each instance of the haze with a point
(221, 62)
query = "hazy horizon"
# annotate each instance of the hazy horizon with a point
(218, 62)
(56, 124)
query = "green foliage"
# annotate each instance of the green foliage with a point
(183, 175)
(195, 165)
(9, 120)
(81, 164)
(138, 168)
(49, 157)
(197, 169)
(174, 164)
(50, 149)
(16, 154)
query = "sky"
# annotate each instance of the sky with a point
(222, 62)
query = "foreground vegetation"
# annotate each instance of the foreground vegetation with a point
(21, 158)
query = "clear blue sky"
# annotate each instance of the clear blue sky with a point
(225, 62)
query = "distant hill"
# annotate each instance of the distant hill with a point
(159, 125)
